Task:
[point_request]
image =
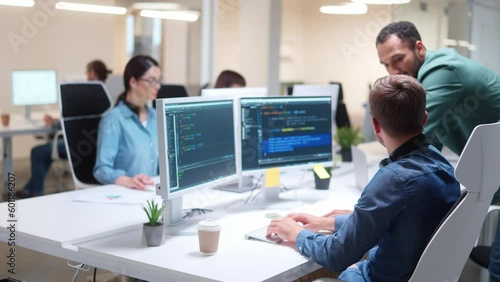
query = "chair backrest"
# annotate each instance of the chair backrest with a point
(82, 106)
(477, 170)
(171, 91)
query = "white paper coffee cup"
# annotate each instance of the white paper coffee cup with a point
(208, 236)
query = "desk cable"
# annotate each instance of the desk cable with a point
(253, 189)
(79, 268)
(191, 212)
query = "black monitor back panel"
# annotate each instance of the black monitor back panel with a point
(171, 91)
(341, 117)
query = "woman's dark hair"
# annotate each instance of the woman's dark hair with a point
(135, 68)
(228, 78)
(99, 69)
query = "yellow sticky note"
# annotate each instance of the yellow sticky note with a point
(272, 177)
(321, 171)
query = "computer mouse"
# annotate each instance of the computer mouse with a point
(273, 215)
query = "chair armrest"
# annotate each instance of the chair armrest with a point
(55, 152)
(493, 208)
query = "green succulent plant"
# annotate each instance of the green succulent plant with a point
(154, 212)
(347, 136)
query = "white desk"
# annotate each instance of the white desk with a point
(18, 126)
(109, 236)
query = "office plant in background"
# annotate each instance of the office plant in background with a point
(346, 137)
(152, 231)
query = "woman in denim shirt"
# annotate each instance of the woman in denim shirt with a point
(127, 144)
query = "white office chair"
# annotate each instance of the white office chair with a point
(60, 166)
(449, 247)
(477, 170)
(481, 252)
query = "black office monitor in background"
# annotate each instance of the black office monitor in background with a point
(171, 91)
(341, 117)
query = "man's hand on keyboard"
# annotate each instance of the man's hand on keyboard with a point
(286, 228)
(314, 223)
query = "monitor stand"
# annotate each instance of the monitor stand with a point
(270, 200)
(245, 183)
(176, 222)
(27, 113)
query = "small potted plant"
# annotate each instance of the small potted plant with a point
(152, 231)
(346, 137)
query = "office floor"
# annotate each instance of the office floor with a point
(39, 267)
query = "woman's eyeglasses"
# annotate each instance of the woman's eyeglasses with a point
(151, 81)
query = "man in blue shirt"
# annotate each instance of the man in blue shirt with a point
(401, 206)
(461, 93)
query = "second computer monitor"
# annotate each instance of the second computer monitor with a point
(286, 132)
(34, 87)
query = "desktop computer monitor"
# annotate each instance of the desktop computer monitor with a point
(235, 92)
(197, 148)
(34, 87)
(286, 132)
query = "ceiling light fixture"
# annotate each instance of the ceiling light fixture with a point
(189, 16)
(155, 6)
(381, 2)
(345, 9)
(91, 8)
(18, 3)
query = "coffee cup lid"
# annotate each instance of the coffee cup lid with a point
(208, 225)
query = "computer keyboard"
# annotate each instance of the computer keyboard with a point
(260, 234)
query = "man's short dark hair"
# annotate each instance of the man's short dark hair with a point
(406, 31)
(397, 102)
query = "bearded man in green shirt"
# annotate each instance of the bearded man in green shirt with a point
(461, 93)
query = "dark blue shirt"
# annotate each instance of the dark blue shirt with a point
(398, 211)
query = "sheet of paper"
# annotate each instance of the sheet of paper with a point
(113, 198)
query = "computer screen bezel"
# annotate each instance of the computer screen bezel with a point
(260, 171)
(55, 97)
(165, 192)
(235, 92)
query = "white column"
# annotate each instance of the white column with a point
(260, 32)
(208, 33)
(175, 52)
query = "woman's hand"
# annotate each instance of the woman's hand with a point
(137, 182)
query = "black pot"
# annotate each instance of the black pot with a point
(346, 155)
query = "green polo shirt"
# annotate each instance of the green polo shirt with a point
(461, 94)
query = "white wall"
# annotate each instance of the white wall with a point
(61, 40)
(227, 37)
(318, 48)
(485, 34)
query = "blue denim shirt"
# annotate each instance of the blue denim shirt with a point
(398, 211)
(125, 146)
